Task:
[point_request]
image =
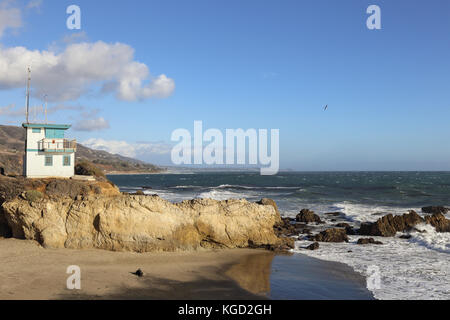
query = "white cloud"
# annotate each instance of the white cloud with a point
(126, 149)
(10, 18)
(90, 125)
(81, 68)
(34, 4)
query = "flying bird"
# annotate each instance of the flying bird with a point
(326, 108)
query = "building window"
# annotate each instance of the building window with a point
(66, 161)
(48, 161)
(36, 130)
(54, 134)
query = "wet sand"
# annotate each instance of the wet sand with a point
(304, 278)
(28, 271)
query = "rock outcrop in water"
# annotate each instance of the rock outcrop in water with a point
(308, 216)
(439, 222)
(348, 228)
(389, 225)
(314, 246)
(434, 210)
(331, 235)
(119, 222)
(364, 241)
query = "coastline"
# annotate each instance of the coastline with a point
(133, 173)
(242, 274)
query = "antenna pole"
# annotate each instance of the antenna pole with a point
(28, 93)
(45, 108)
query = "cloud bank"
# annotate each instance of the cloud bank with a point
(132, 150)
(91, 125)
(10, 18)
(81, 69)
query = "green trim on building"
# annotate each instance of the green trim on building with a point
(47, 126)
(53, 151)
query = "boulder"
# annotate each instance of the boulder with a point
(439, 222)
(368, 241)
(348, 228)
(331, 235)
(143, 223)
(285, 228)
(314, 246)
(433, 210)
(308, 216)
(389, 225)
(285, 244)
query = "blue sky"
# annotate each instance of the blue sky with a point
(253, 64)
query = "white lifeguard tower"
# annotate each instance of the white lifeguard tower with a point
(47, 153)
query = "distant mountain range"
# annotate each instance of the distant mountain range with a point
(12, 148)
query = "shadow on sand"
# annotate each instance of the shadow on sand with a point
(255, 277)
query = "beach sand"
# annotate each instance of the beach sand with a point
(28, 271)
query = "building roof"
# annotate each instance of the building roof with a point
(47, 126)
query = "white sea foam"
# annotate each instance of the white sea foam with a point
(186, 187)
(408, 271)
(226, 186)
(223, 195)
(427, 236)
(170, 196)
(369, 213)
(237, 186)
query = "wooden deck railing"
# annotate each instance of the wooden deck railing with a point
(57, 145)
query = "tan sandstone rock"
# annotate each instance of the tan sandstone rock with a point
(142, 223)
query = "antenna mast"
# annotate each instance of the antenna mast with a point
(45, 108)
(28, 93)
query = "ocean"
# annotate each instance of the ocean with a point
(417, 268)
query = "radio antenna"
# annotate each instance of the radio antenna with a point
(28, 93)
(45, 108)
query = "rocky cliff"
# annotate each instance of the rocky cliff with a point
(141, 223)
(121, 222)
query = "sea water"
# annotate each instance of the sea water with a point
(417, 268)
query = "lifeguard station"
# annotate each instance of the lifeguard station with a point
(47, 152)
